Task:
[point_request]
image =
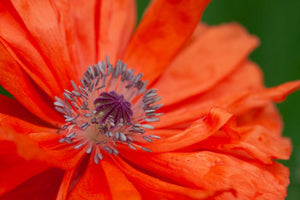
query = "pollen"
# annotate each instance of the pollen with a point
(110, 108)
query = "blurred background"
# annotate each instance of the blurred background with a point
(277, 24)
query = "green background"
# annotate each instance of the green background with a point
(277, 24)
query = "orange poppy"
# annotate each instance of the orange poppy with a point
(220, 132)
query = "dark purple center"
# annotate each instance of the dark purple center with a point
(113, 106)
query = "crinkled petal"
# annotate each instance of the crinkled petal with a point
(268, 117)
(19, 45)
(14, 170)
(78, 35)
(198, 131)
(71, 178)
(248, 141)
(227, 91)
(95, 29)
(23, 145)
(236, 101)
(77, 180)
(120, 187)
(253, 137)
(264, 96)
(215, 53)
(17, 82)
(83, 15)
(42, 23)
(163, 31)
(97, 181)
(116, 22)
(152, 187)
(20, 158)
(92, 184)
(46, 139)
(65, 184)
(65, 155)
(12, 107)
(42, 186)
(217, 172)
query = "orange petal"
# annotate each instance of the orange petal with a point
(92, 184)
(264, 96)
(14, 170)
(279, 93)
(47, 140)
(116, 22)
(26, 91)
(71, 178)
(42, 24)
(198, 131)
(25, 147)
(65, 184)
(108, 24)
(83, 13)
(78, 23)
(256, 141)
(20, 159)
(212, 56)
(21, 126)
(12, 107)
(66, 157)
(259, 139)
(216, 172)
(262, 144)
(19, 45)
(200, 29)
(267, 117)
(229, 90)
(120, 187)
(152, 187)
(163, 31)
(232, 95)
(42, 186)
(16, 82)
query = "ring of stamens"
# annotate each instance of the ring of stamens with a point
(110, 107)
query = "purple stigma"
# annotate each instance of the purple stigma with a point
(114, 107)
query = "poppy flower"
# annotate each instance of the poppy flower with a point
(88, 91)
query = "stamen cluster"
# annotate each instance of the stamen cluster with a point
(110, 107)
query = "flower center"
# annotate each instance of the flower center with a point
(110, 104)
(111, 107)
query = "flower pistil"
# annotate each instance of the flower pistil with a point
(110, 107)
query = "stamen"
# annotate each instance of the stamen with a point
(111, 107)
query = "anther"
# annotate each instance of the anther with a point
(146, 149)
(89, 150)
(78, 146)
(131, 147)
(123, 137)
(148, 139)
